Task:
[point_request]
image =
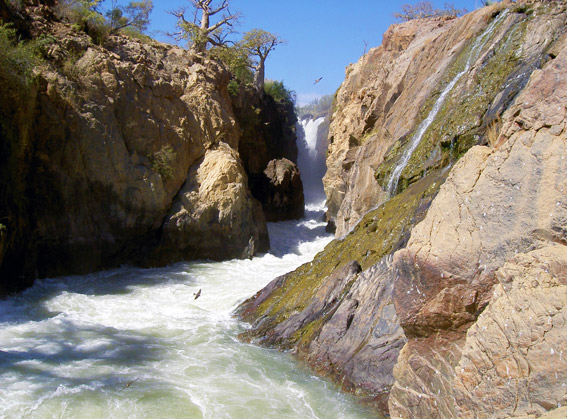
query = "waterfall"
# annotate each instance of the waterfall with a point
(416, 139)
(311, 161)
(134, 342)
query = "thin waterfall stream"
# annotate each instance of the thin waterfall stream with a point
(134, 342)
(480, 41)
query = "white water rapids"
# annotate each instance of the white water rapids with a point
(135, 343)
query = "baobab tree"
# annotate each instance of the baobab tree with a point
(201, 31)
(258, 44)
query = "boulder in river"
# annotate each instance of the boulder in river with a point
(281, 191)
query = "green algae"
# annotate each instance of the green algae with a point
(379, 233)
(461, 122)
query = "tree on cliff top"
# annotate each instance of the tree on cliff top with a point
(258, 44)
(424, 9)
(135, 15)
(200, 31)
(100, 18)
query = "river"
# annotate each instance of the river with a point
(135, 343)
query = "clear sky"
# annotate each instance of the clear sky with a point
(322, 36)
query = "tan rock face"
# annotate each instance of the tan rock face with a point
(114, 138)
(378, 103)
(496, 207)
(516, 349)
(392, 91)
(214, 215)
(136, 118)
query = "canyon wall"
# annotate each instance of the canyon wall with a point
(124, 150)
(442, 296)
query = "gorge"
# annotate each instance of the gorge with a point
(445, 180)
(136, 342)
(440, 168)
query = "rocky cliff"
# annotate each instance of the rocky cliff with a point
(122, 150)
(269, 135)
(444, 296)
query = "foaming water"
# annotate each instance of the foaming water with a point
(311, 163)
(135, 343)
(310, 127)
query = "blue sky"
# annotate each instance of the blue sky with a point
(322, 36)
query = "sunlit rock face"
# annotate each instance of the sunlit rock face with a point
(391, 90)
(460, 299)
(212, 205)
(113, 147)
(501, 218)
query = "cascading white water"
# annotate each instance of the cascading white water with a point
(311, 127)
(416, 139)
(135, 343)
(310, 161)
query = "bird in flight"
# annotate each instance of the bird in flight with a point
(318, 80)
(197, 294)
(129, 383)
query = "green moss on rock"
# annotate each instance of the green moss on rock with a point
(379, 233)
(462, 120)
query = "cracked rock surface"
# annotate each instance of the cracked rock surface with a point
(500, 218)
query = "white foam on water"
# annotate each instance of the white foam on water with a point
(134, 342)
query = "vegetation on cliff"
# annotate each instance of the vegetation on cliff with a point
(424, 262)
(424, 10)
(210, 31)
(100, 130)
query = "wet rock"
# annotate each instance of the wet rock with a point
(392, 89)
(378, 103)
(356, 339)
(496, 205)
(359, 344)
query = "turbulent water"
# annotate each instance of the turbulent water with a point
(135, 343)
(311, 162)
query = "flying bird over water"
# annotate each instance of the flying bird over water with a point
(318, 80)
(197, 294)
(129, 383)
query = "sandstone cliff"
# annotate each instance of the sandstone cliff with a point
(122, 151)
(500, 218)
(462, 264)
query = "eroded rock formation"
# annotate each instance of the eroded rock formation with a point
(123, 151)
(501, 218)
(214, 210)
(461, 298)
